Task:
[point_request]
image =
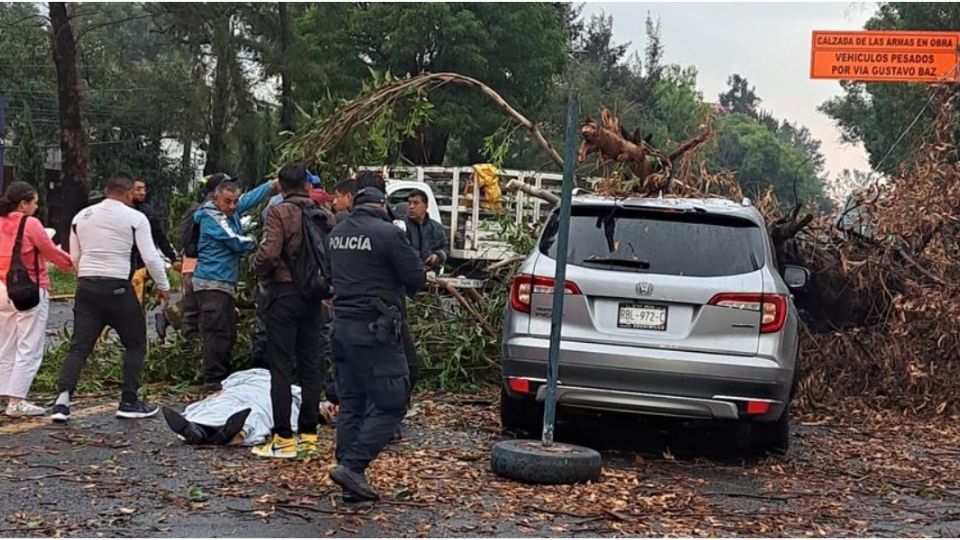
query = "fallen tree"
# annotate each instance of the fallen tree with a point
(881, 316)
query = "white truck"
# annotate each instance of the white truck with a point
(455, 200)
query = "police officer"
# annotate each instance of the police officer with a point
(372, 267)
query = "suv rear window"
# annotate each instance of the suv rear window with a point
(657, 242)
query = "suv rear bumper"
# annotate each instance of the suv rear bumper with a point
(651, 381)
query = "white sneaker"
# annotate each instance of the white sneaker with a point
(24, 408)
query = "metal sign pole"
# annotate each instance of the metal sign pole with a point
(563, 233)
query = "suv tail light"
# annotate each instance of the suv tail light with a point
(772, 307)
(525, 286)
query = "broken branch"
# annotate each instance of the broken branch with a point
(540, 193)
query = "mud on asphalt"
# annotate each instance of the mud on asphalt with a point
(861, 473)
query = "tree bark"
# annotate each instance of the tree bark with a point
(186, 160)
(70, 196)
(286, 85)
(515, 185)
(428, 148)
(216, 153)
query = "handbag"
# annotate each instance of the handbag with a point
(22, 291)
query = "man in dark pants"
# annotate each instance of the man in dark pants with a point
(293, 320)
(220, 247)
(189, 238)
(102, 240)
(259, 353)
(372, 267)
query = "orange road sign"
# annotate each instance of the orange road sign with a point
(885, 56)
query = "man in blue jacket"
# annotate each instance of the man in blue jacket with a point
(221, 244)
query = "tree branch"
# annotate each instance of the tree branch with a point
(515, 185)
(487, 327)
(91, 28)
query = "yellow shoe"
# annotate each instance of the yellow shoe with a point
(277, 447)
(307, 444)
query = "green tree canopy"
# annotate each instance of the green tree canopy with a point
(875, 114)
(491, 42)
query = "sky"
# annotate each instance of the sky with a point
(769, 44)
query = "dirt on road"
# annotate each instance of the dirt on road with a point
(862, 473)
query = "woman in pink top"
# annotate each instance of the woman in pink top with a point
(22, 333)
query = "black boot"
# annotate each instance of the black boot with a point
(230, 429)
(354, 482)
(193, 433)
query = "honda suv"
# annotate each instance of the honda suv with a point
(672, 307)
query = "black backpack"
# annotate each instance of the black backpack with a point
(309, 267)
(190, 233)
(22, 291)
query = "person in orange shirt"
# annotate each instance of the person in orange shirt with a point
(23, 333)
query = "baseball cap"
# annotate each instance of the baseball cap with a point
(370, 195)
(210, 183)
(313, 179)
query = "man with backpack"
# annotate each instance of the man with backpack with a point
(215, 279)
(291, 263)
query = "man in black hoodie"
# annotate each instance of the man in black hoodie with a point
(159, 232)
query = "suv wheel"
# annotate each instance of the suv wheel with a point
(520, 414)
(772, 437)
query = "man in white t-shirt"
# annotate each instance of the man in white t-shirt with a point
(102, 240)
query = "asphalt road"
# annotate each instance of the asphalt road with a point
(861, 476)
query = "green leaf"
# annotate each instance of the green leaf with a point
(403, 494)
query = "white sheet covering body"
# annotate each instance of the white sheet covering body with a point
(244, 389)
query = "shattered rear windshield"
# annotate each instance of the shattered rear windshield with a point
(657, 242)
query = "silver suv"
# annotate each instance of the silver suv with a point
(673, 307)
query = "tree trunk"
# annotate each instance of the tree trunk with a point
(186, 160)
(428, 148)
(196, 107)
(70, 196)
(286, 85)
(216, 153)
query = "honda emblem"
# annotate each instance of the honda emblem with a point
(644, 288)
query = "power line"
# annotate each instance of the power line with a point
(94, 143)
(81, 65)
(53, 92)
(894, 145)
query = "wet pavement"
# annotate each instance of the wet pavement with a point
(870, 475)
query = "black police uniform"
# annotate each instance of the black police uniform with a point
(372, 266)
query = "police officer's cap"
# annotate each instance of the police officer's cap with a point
(370, 195)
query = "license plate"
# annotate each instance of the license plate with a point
(642, 317)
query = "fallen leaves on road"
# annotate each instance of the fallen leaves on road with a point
(849, 475)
